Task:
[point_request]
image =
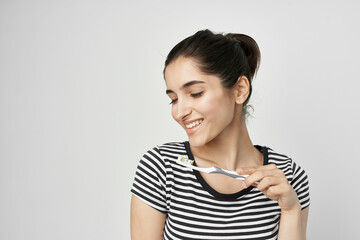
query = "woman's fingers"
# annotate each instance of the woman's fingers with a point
(272, 182)
(257, 174)
(250, 170)
(246, 170)
(267, 182)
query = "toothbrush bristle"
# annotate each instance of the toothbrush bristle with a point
(185, 160)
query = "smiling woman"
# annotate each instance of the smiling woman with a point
(208, 78)
(202, 101)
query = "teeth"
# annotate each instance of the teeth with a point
(193, 124)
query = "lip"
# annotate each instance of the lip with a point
(190, 131)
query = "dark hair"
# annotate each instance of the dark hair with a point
(228, 56)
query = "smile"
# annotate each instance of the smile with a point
(193, 124)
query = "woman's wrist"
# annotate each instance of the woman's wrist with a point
(294, 210)
(290, 224)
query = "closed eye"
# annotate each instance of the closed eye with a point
(198, 94)
(195, 95)
(173, 101)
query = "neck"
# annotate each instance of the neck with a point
(231, 149)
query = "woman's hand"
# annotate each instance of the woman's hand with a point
(273, 184)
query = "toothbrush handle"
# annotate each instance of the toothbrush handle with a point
(230, 173)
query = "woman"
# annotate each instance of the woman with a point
(208, 78)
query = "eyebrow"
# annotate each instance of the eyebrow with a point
(186, 85)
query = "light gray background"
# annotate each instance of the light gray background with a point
(82, 98)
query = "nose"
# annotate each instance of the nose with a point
(181, 109)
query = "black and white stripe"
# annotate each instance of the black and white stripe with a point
(196, 211)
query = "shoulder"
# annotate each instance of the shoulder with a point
(154, 173)
(291, 169)
(294, 173)
(172, 149)
(164, 153)
(157, 163)
(168, 149)
(281, 160)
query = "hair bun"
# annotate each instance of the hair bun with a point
(250, 48)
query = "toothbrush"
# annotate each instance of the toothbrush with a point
(185, 161)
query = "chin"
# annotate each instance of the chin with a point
(197, 142)
(194, 142)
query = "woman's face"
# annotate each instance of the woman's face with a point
(200, 104)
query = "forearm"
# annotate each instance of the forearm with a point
(291, 225)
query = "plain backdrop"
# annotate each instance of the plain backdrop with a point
(82, 97)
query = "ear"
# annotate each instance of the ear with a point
(242, 89)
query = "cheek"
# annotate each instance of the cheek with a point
(219, 108)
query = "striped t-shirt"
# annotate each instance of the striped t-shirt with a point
(194, 210)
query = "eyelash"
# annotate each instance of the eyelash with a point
(198, 94)
(195, 95)
(173, 101)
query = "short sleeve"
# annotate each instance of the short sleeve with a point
(300, 184)
(150, 180)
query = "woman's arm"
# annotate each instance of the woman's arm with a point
(304, 219)
(275, 186)
(146, 222)
(293, 223)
